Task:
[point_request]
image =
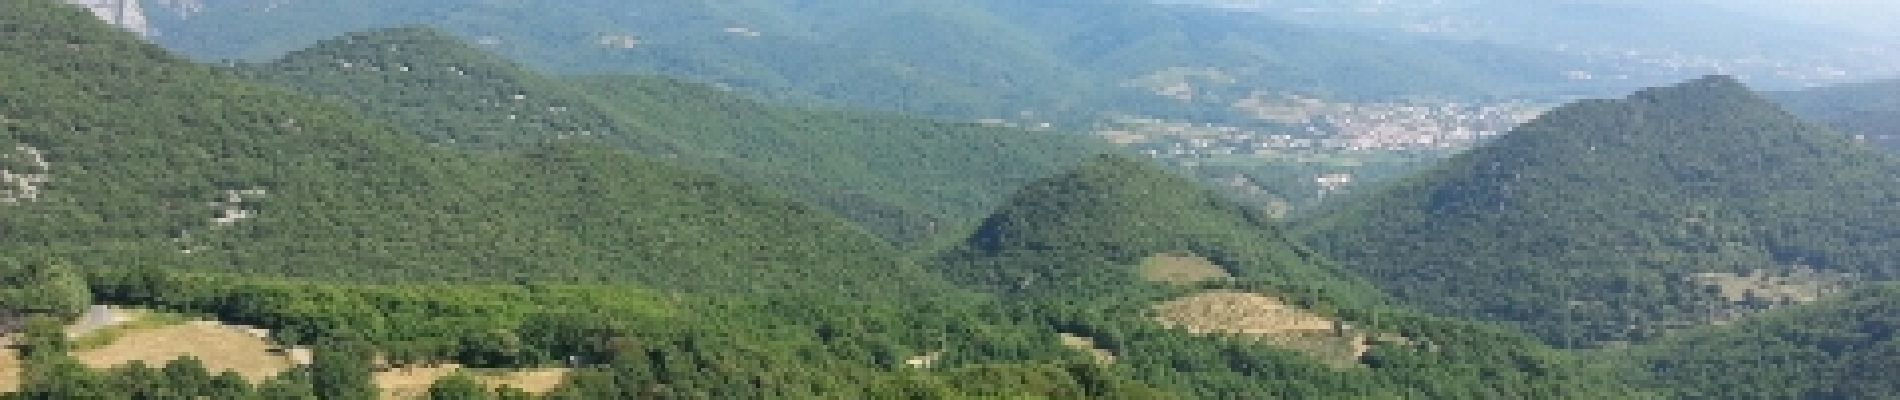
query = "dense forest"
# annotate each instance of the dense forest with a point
(1841, 348)
(1617, 220)
(397, 199)
(905, 179)
(1868, 111)
(144, 159)
(183, 188)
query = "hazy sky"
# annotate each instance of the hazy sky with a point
(1872, 16)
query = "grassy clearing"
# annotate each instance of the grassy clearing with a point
(221, 347)
(1267, 319)
(9, 368)
(127, 321)
(1087, 344)
(413, 381)
(1181, 269)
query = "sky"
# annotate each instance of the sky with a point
(1871, 16)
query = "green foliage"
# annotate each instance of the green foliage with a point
(39, 287)
(1081, 233)
(1843, 348)
(968, 59)
(1586, 225)
(1066, 248)
(158, 162)
(458, 387)
(903, 178)
(340, 370)
(1870, 110)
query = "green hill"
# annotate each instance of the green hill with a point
(451, 93)
(1086, 231)
(1868, 110)
(1838, 349)
(1190, 291)
(128, 156)
(1610, 220)
(179, 187)
(903, 178)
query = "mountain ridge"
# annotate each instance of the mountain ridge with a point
(1629, 199)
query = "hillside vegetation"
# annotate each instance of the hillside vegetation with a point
(150, 160)
(1868, 111)
(972, 59)
(1086, 231)
(905, 179)
(1842, 348)
(1597, 222)
(1072, 249)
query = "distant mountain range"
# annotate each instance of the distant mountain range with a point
(907, 179)
(1777, 45)
(1868, 111)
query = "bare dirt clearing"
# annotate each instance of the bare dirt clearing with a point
(1267, 319)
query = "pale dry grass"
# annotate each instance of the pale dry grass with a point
(1181, 269)
(220, 347)
(9, 368)
(1087, 344)
(413, 381)
(1267, 319)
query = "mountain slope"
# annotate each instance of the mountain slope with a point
(1085, 231)
(904, 178)
(1634, 42)
(1610, 220)
(134, 157)
(1190, 291)
(1869, 110)
(449, 92)
(1839, 349)
(979, 59)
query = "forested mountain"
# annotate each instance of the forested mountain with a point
(1869, 111)
(1087, 230)
(170, 185)
(1068, 62)
(118, 153)
(1614, 220)
(1117, 245)
(903, 178)
(1841, 348)
(1766, 43)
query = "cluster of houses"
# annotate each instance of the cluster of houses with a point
(1295, 125)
